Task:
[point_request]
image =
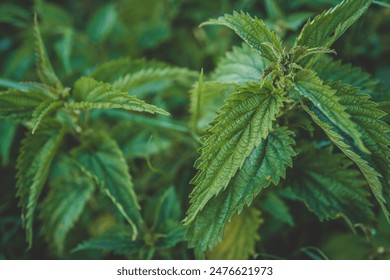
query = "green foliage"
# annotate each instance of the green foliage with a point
(254, 32)
(241, 237)
(101, 146)
(330, 188)
(36, 155)
(265, 165)
(102, 158)
(65, 201)
(240, 126)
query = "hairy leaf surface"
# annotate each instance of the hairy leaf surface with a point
(241, 125)
(374, 166)
(254, 32)
(43, 110)
(329, 186)
(265, 165)
(327, 27)
(324, 99)
(20, 105)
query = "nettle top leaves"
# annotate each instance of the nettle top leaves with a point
(246, 147)
(54, 113)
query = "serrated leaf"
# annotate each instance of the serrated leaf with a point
(241, 65)
(20, 105)
(101, 157)
(240, 237)
(265, 165)
(334, 70)
(89, 93)
(43, 110)
(329, 186)
(36, 155)
(7, 135)
(324, 99)
(45, 70)
(254, 32)
(241, 124)
(70, 190)
(375, 166)
(327, 27)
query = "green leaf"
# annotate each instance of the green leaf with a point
(329, 186)
(102, 22)
(20, 105)
(70, 190)
(265, 165)
(240, 237)
(254, 32)
(101, 157)
(324, 99)
(89, 93)
(206, 99)
(327, 27)
(374, 166)
(45, 70)
(240, 66)
(277, 209)
(117, 240)
(7, 135)
(144, 77)
(333, 70)
(36, 155)
(43, 110)
(241, 124)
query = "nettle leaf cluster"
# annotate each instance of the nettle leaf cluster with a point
(271, 113)
(274, 95)
(65, 150)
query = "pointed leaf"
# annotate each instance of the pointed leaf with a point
(43, 110)
(101, 157)
(45, 70)
(330, 187)
(327, 27)
(19, 105)
(324, 99)
(374, 166)
(89, 93)
(254, 32)
(240, 126)
(36, 155)
(265, 165)
(70, 190)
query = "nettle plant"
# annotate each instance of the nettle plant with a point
(265, 108)
(70, 151)
(276, 98)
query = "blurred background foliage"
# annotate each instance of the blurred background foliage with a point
(81, 35)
